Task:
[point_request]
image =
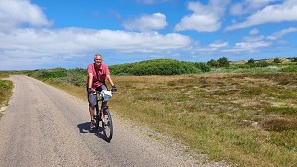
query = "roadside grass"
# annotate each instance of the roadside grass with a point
(67, 87)
(6, 88)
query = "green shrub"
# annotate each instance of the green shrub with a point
(121, 69)
(213, 63)
(251, 61)
(223, 62)
(204, 67)
(47, 74)
(290, 68)
(159, 67)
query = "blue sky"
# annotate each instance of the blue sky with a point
(42, 34)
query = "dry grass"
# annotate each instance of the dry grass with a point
(248, 120)
(243, 119)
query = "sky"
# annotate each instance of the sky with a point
(45, 34)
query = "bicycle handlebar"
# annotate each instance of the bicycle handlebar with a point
(98, 92)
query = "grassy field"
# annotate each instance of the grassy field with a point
(243, 119)
(5, 90)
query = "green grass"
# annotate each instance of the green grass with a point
(5, 90)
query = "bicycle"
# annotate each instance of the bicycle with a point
(103, 115)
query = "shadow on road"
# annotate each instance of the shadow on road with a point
(85, 128)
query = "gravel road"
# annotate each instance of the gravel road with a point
(44, 126)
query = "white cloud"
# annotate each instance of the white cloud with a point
(156, 21)
(272, 13)
(45, 46)
(15, 13)
(253, 38)
(249, 6)
(254, 31)
(218, 44)
(247, 46)
(205, 18)
(281, 33)
(77, 40)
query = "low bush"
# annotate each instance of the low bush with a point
(46, 74)
(290, 68)
(159, 67)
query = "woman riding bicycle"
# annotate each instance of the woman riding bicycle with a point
(97, 74)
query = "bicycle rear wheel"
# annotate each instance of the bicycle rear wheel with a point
(107, 125)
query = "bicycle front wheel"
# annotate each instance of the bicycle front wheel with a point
(97, 118)
(107, 125)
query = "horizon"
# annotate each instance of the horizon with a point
(266, 59)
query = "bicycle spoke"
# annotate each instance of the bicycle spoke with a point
(107, 126)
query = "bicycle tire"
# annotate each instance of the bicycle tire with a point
(107, 125)
(97, 118)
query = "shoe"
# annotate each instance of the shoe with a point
(93, 125)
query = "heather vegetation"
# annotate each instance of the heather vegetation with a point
(242, 113)
(76, 77)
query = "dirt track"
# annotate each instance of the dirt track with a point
(44, 126)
